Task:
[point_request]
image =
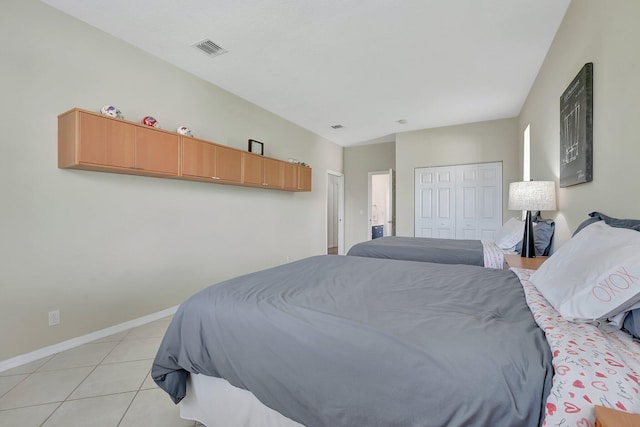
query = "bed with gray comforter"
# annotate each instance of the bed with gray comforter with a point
(424, 249)
(349, 341)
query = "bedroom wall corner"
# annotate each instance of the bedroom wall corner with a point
(604, 33)
(106, 248)
(489, 141)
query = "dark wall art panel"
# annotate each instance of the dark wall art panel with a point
(576, 129)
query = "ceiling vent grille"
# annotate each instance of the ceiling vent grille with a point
(210, 48)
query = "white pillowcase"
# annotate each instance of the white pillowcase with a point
(593, 276)
(510, 234)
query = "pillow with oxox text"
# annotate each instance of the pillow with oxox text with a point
(593, 276)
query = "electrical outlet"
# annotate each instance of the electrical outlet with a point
(54, 317)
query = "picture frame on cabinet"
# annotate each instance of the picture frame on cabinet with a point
(256, 147)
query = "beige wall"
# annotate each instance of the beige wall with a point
(605, 33)
(491, 141)
(358, 162)
(106, 248)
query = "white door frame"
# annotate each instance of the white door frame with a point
(391, 208)
(340, 181)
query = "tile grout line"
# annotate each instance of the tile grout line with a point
(128, 407)
(27, 375)
(80, 383)
(52, 412)
(15, 385)
(93, 368)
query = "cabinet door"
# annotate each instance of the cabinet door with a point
(290, 175)
(106, 142)
(157, 151)
(198, 158)
(273, 173)
(228, 164)
(252, 169)
(304, 178)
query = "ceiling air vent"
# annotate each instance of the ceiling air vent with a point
(210, 48)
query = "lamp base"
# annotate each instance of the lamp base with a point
(528, 241)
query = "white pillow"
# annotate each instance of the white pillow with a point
(510, 234)
(593, 276)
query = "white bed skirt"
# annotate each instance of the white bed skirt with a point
(216, 403)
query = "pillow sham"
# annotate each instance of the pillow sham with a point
(593, 276)
(633, 224)
(632, 323)
(542, 235)
(510, 234)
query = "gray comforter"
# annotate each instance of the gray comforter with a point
(425, 249)
(349, 341)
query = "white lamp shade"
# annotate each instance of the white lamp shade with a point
(532, 196)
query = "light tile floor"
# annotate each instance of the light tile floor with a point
(105, 383)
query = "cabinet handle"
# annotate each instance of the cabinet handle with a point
(215, 177)
(136, 168)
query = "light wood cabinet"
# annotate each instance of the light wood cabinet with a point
(205, 161)
(252, 169)
(94, 142)
(304, 178)
(296, 177)
(273, 170)
(157, 151)
(228, 164)
(262, 171)
(290, 176)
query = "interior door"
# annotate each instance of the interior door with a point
(381, 198)
(335, 213)
(390, 227)
(435, 202)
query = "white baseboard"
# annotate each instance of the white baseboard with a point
(84, 339)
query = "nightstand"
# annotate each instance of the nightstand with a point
(516, 261)
(606, 417)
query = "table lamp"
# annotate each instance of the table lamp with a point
(531, 196)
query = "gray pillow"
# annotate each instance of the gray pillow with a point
(633, 224)
(632, 323)
(542, 236)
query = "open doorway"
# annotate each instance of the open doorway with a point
(335, 213)
(381, 204)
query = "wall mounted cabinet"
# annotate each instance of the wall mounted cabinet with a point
(304, 178)
(204, 161)
(290, 176)
(95, 142)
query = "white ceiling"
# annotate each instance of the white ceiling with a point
(364, 64)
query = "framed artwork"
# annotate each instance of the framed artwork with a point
(256, 147)
(576, 129)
